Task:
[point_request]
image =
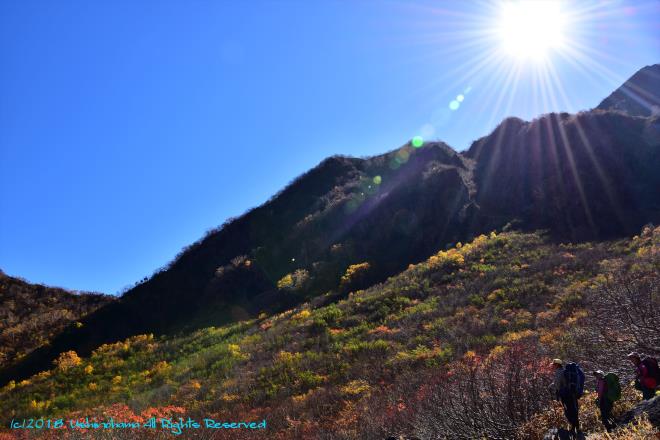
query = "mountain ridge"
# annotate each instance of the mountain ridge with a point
(388, 211)
(639, 95)
(31, 314)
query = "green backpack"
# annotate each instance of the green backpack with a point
(613, 387)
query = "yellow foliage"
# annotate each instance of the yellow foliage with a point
(356, 387)
(67, 360)
(161, 367)
(497, 351)
(516, 336)
(89, 369)
(302, 315)
(229, 397)
(300, 397)
(235, 351)
(285, 282)
(641, 430)
(116, 380)
(452, 256)
(93, 386)
(353, 271)
(288, 358)
(550, 337)
(36, 405)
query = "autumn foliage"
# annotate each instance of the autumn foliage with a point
(455, 346)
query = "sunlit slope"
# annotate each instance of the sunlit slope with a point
(368, 360)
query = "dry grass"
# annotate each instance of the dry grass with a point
(590, 422)
(642, 430)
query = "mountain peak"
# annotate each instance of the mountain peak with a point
(639, 96)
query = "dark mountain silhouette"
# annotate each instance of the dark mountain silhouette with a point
(639, 96)
(586, 176)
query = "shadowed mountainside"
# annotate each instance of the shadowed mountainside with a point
(582, 177)
(639, 96)
(32, 314)
(586, 176)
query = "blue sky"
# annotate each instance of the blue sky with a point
(129, 128)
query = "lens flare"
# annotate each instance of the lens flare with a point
(402, 155)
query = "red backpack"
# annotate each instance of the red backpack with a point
(652, 372)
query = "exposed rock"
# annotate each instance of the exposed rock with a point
(562, 434)
(649, 407)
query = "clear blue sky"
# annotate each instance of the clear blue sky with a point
(128, 128)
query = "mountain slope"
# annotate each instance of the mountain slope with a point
(639, 96)
(349, 223)
(405, 356)
(387, 210)
(585, 176)
(32, 314)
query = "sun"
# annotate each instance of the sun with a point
(531, 29)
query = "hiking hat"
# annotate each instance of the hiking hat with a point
(599, 373)
(557, 362)
(634, 354)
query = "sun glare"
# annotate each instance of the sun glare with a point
(531, 29)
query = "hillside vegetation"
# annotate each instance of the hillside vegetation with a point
(457, 345)
(409, 293)
(32, 314)
(583, 177)
(590, 176)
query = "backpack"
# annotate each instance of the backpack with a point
(613, 387)
(573, 380)
(651, 365)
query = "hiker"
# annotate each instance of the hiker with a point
(647, 374)
(568, 386)
(609, 391)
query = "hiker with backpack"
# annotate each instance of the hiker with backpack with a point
(608, 389)
(647, 375)
(568, 386)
